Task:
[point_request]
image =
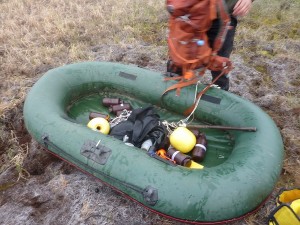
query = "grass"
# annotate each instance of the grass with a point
(14, 156)
(270, 25)
(34, 36)
(37, 35)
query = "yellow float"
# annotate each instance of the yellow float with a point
(99, 124)
(182, 139)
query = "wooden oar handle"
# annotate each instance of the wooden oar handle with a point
(251, 129)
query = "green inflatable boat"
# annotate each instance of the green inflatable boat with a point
(240, 170)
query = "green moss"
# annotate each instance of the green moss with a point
(294, 32)
(152, 33)
(262, 69)
(270, 21)
(295, 82)
(265, 53)
(6, 186)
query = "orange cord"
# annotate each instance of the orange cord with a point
(163, 154)
(188, 75)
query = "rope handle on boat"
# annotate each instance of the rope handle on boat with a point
(190, 111)
(186, 123)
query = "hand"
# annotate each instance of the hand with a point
(242, 8)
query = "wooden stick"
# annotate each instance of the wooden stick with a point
(195, 126)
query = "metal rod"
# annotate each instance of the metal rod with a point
(195, 126)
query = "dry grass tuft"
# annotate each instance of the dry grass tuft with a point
(14, 156)
(35, 38)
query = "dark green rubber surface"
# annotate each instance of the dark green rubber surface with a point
(241, 168)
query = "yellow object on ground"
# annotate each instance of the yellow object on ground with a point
(295, 205)
(287, 211)
(182, 139)
(99, 124)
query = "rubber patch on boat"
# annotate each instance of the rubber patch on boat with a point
(95, 151)
(127, 76)
(211, 99)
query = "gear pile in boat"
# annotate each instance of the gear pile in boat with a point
(143, 128)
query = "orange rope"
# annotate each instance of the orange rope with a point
(199, 95)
